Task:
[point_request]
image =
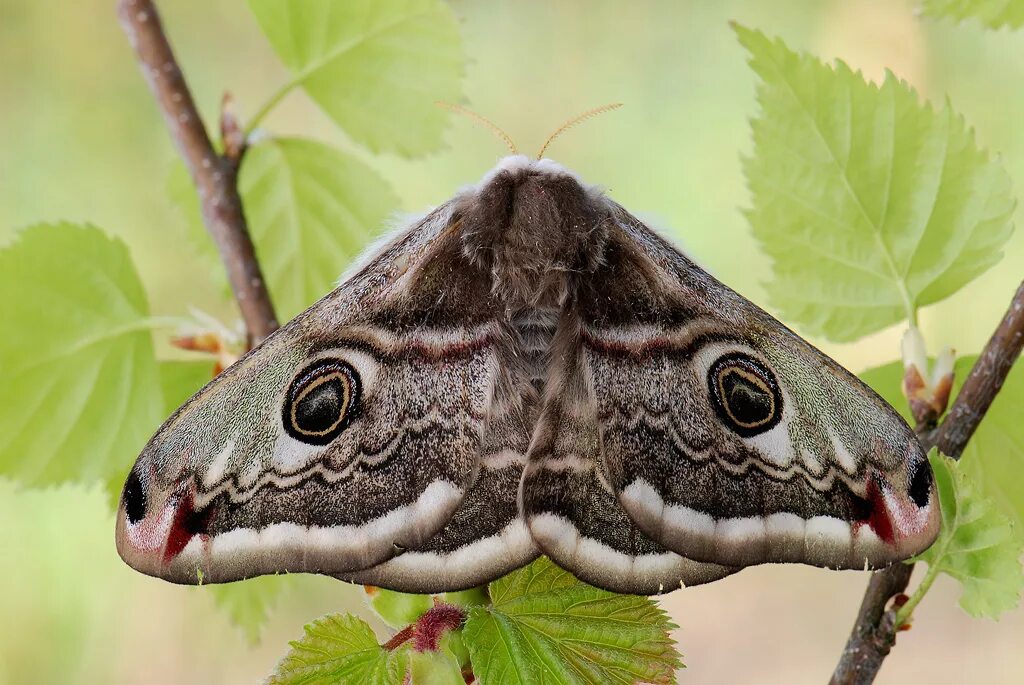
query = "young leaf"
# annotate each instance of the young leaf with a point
(249, 603)
(544, 626)
(310, 208)
(995, 454)
(179, 380)
(79, 377)
(870, 203)
(435, 668)
(397, 609)
(991, 13)
(977, 545)
(340, 649)
(376, 68)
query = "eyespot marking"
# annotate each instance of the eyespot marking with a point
(745, 394)
(321, 401)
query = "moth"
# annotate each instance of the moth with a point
(527, 369)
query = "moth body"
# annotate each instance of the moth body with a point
(527, 369)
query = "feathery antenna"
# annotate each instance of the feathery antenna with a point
(576, 120)
(481, 119)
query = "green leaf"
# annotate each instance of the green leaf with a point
(80, 381)
(468, 598)
(249, 603)
(311, 209)
(870, 203)
(994, 457)
(376, 68)
(398, 609)
(435, 668)
(991, 13)
(977, 545)
(340, 649)
(179, 380)
(547, 627)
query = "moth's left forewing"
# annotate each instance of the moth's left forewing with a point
(731, 440)
(349, 435)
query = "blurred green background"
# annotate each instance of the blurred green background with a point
(80, 139)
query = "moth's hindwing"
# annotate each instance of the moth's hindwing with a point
(727, 438)
(485, 538)
(348, 436)
(570, 506)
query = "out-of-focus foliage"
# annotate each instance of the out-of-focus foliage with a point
(250, 602)
(435, 668)
(397, 609)
(869, 203)
(311, 209)
(369, 64)
(992, 13)
(977, 545)
(546, 626)
(81, 390)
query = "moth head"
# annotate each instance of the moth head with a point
(779, 406)
(531, 223)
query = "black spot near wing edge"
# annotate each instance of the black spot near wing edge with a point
(134, 497)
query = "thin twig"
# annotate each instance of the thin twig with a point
(874, 632)
(986, 379)
(215, 176)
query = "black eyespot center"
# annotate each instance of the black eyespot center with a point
(745, 394)
(921, 483)
(134, 497)
(321, 401)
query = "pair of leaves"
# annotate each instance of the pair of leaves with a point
(542, 626)
(376, 69)
(981, 496)
(869, 203)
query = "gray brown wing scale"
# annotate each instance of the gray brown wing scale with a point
(729, 439)
(349, 436)
(528, 368)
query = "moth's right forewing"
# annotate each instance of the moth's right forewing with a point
(351, 434)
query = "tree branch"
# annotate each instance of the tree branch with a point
(874, 632)
(215, 176)
(985, 380)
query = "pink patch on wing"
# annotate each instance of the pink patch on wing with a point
(148, 535)
(187, 524)
(879, 520)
